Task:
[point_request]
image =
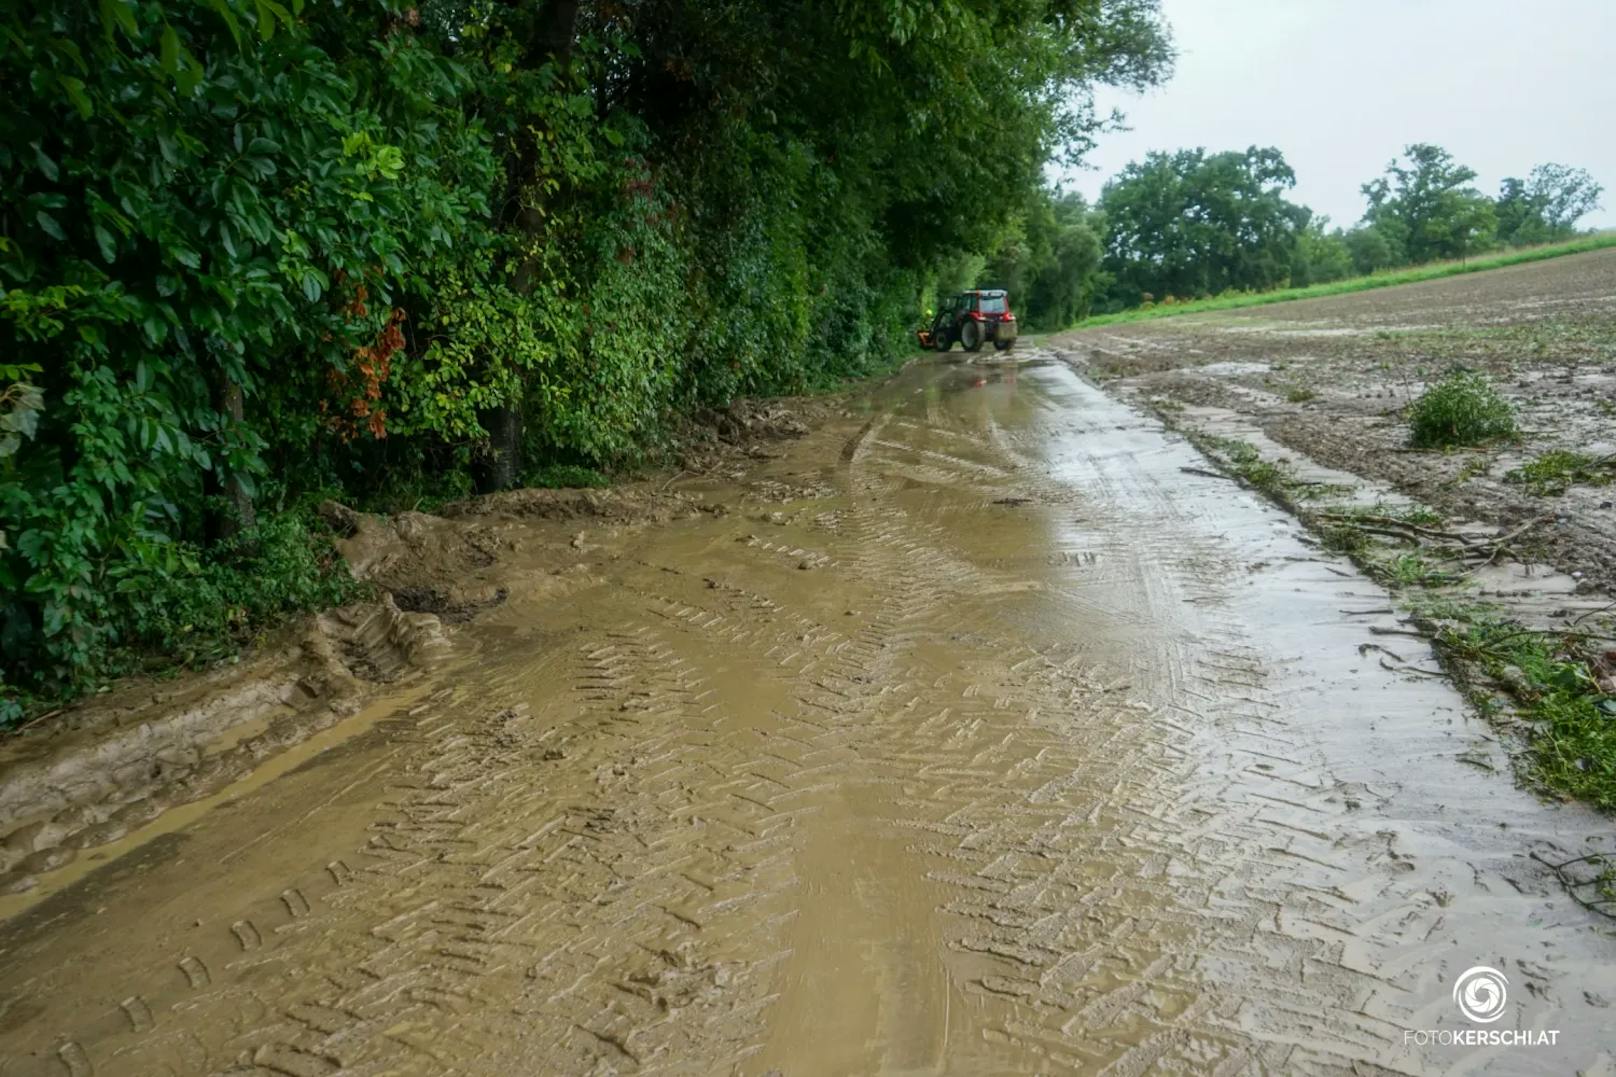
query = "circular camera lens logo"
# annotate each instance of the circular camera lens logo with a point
(1480, 994)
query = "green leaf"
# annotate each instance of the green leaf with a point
(190, 74)
(222, 7)
(46, 165)
(266, 20)
(74, 89)
(52, 229)
(278, 10)
(168, 51)
(108, 245)
(70, 49)
(118, 11)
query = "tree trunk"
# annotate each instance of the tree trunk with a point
(238, 514)
(555, 30)
(502, 467)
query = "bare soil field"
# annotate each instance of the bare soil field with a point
(1328, 379)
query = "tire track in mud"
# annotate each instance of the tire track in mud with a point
(986, 802)
(1039, 907)
(987, 789)
(493, 922)
(450, 891)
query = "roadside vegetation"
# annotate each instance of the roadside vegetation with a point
(1556, 683)
(1555, 472)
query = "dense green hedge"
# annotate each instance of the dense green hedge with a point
(253, 251)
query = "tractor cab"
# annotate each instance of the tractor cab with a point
(973, 318)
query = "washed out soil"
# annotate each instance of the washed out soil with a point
(1330, 379)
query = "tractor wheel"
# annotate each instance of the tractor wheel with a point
(1004, 345)
(971, 337)
(940, 338)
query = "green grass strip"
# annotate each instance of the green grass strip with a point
(1383, 279)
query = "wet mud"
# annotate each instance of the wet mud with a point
(107, 769)
(1329, 379)
(973, 735)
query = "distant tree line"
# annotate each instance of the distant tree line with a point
(1190, 224)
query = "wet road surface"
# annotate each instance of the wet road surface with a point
(1003, 746)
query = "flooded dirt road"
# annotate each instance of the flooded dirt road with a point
(979, 737)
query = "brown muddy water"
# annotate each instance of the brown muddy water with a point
(1006, 746)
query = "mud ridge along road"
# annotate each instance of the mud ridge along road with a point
(978, 736)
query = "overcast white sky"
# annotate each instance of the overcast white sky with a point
(1340, 86)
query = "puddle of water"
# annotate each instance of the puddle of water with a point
(1232, 369)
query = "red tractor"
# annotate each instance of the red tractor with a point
(972, 318)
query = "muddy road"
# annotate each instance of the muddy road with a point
(977, 737)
